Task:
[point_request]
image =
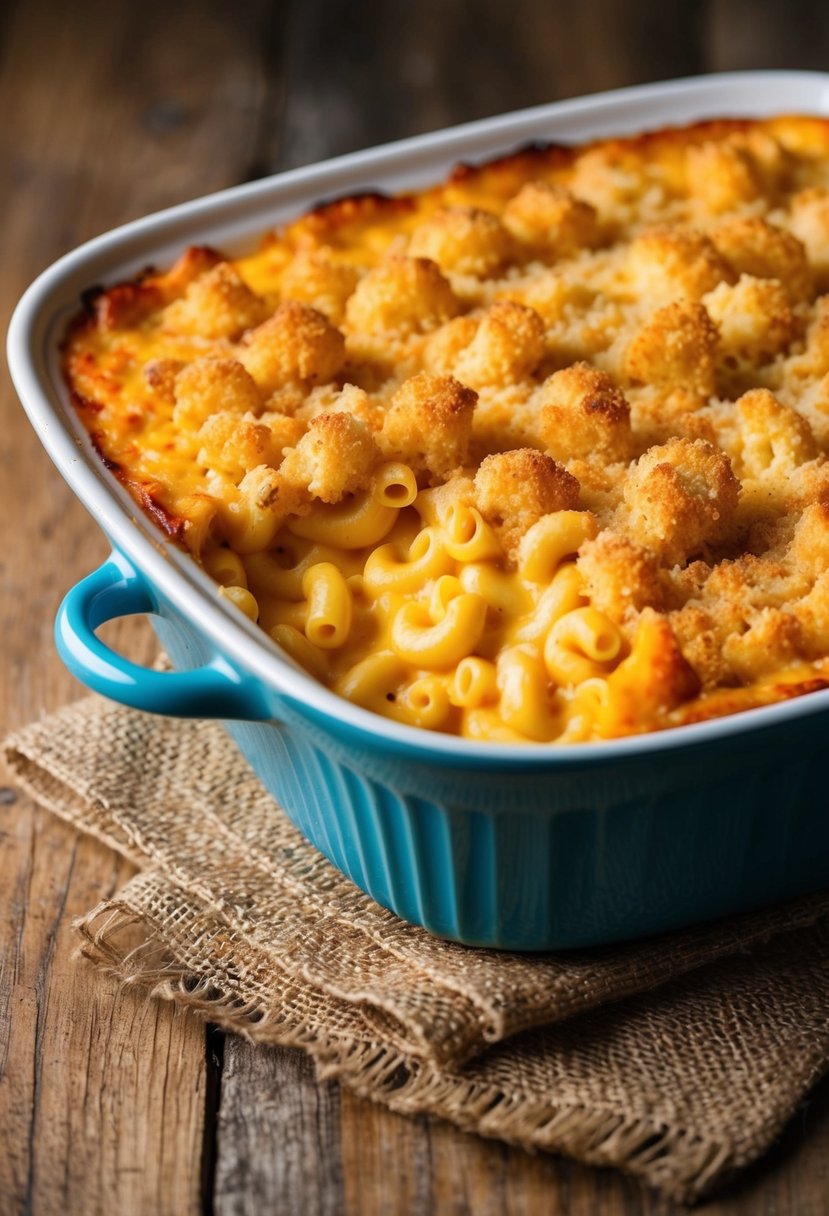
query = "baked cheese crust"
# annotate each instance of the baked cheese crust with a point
(539, 453)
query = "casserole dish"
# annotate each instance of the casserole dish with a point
(516, 847)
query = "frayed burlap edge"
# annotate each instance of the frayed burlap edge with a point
(371, 1052)
(460, 1006)
(682, 1163)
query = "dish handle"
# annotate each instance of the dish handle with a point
(215, 690)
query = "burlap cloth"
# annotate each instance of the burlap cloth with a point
(677, 1059)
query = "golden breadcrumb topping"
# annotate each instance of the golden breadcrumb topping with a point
(427, 424)
(514, 489)
(539, 453)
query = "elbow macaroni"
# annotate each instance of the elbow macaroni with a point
(329, 614)
(527, 457)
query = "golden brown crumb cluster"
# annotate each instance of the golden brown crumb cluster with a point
(635, 331)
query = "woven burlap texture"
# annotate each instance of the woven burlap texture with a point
(677, 1059)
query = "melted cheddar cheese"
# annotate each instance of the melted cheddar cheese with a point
(539, 453)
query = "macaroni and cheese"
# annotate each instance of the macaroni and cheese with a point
(538, 454)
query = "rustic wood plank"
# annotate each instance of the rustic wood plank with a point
(168, 130)
(388, 1165)
(101, 1092)
(361, 74)
(120, 109)
(793, 1177)
(117, 111)
(743, 34)
(396, 1166)
(278, 1136)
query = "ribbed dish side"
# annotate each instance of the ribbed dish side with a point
(642, 860)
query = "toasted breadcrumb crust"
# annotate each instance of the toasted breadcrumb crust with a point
(210, 386)
(752, 245)
(754, 321)
(621, 577)
(679, 498)
(296, 343)
(235, 445)
(313, 277)
(507, 347)
(637, 328)
(551, 220)
(463, 240)
(402, 295)
(581, 413)
(334, 457)
(514, 489)
(665, 263)
(676, 346)
(217, 304)
(428, 424)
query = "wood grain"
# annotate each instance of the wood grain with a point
(109, 1104)
(743, 34)
(368, 73)
(102, 1101)
(103, 1097)
(278, 1142)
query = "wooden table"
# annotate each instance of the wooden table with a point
(110, 1104)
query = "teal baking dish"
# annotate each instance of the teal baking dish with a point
(521, 848)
